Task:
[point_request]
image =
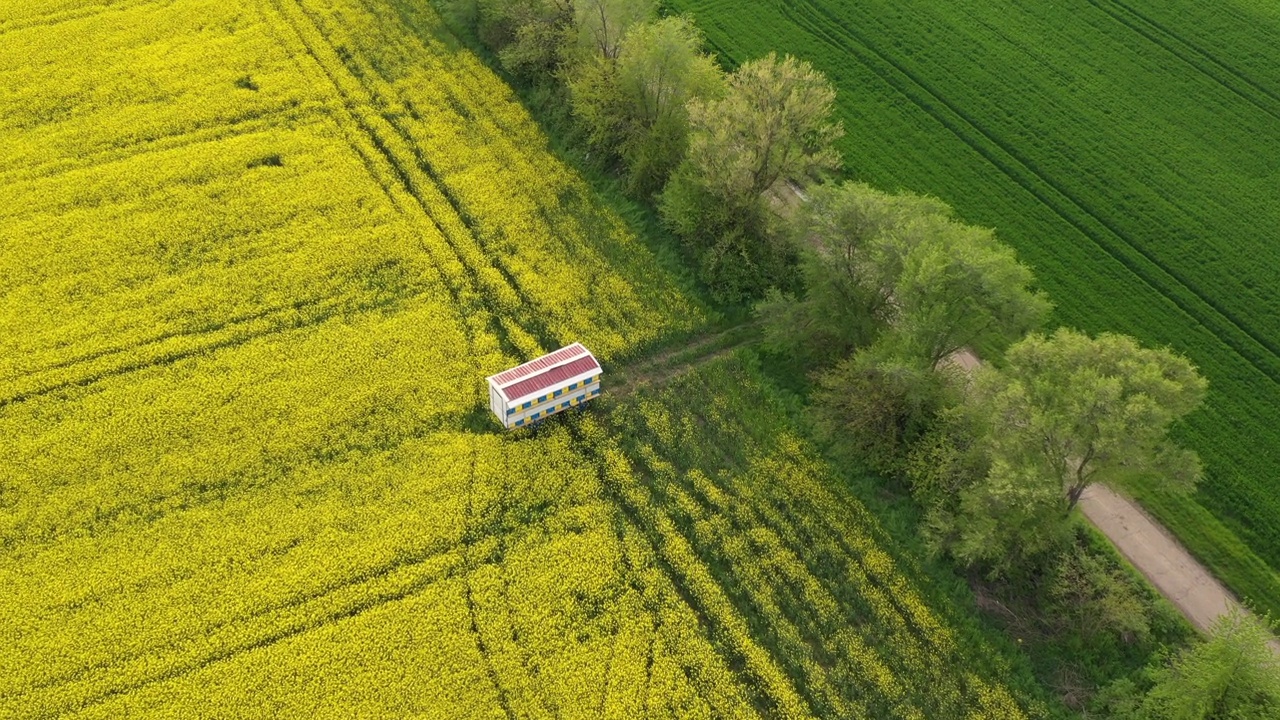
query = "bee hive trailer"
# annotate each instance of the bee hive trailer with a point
(543, 386)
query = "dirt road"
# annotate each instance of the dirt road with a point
(1159, 557)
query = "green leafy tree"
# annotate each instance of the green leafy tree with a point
(529, 36)
(635, 105)
(601, 24)
(873, 411)
(901, 272)
(1233, 675)
(847, 271)
(773, 123)
(1009, 521)
(660, 71)
(1070, 409)
(959, 287)
(1065, 411)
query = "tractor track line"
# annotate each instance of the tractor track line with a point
(236, 651)
(222, 324)
(256, 121)
(353, 125)
(473, 612)
(175, 356)
(1191, 49)
(759, 510)
(631, 518)
(296, 601)
(530, 323)
(763, 600)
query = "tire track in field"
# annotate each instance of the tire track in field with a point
(224, 323)
(286, 632)
(1193, 56)
(664, 366)
(712, 628)
(805, 543)
(415, 175)
(763, 696)
(347, 118)
(791, 638)
(293, 602)
(472, 611)
(530, 322)
(309, 315)
(775, 516)
(631, 576)
(419, 208)
(1260, 352)
(207, 131)
(603, 704)
(343, 121)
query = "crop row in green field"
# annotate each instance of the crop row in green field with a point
(256, 259)
(1132, 166)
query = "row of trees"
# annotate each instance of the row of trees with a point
(893, 288)
(710, 147)
(877, 294)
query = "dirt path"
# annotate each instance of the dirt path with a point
(669, 364)
(1159, 557)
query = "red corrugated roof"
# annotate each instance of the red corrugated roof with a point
(551, 378)
(542, 363)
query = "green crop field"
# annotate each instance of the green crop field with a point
(256, 259)
(1129, 150)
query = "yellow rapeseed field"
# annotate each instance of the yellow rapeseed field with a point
(256, 259)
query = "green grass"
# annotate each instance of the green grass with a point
(1126, 151)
